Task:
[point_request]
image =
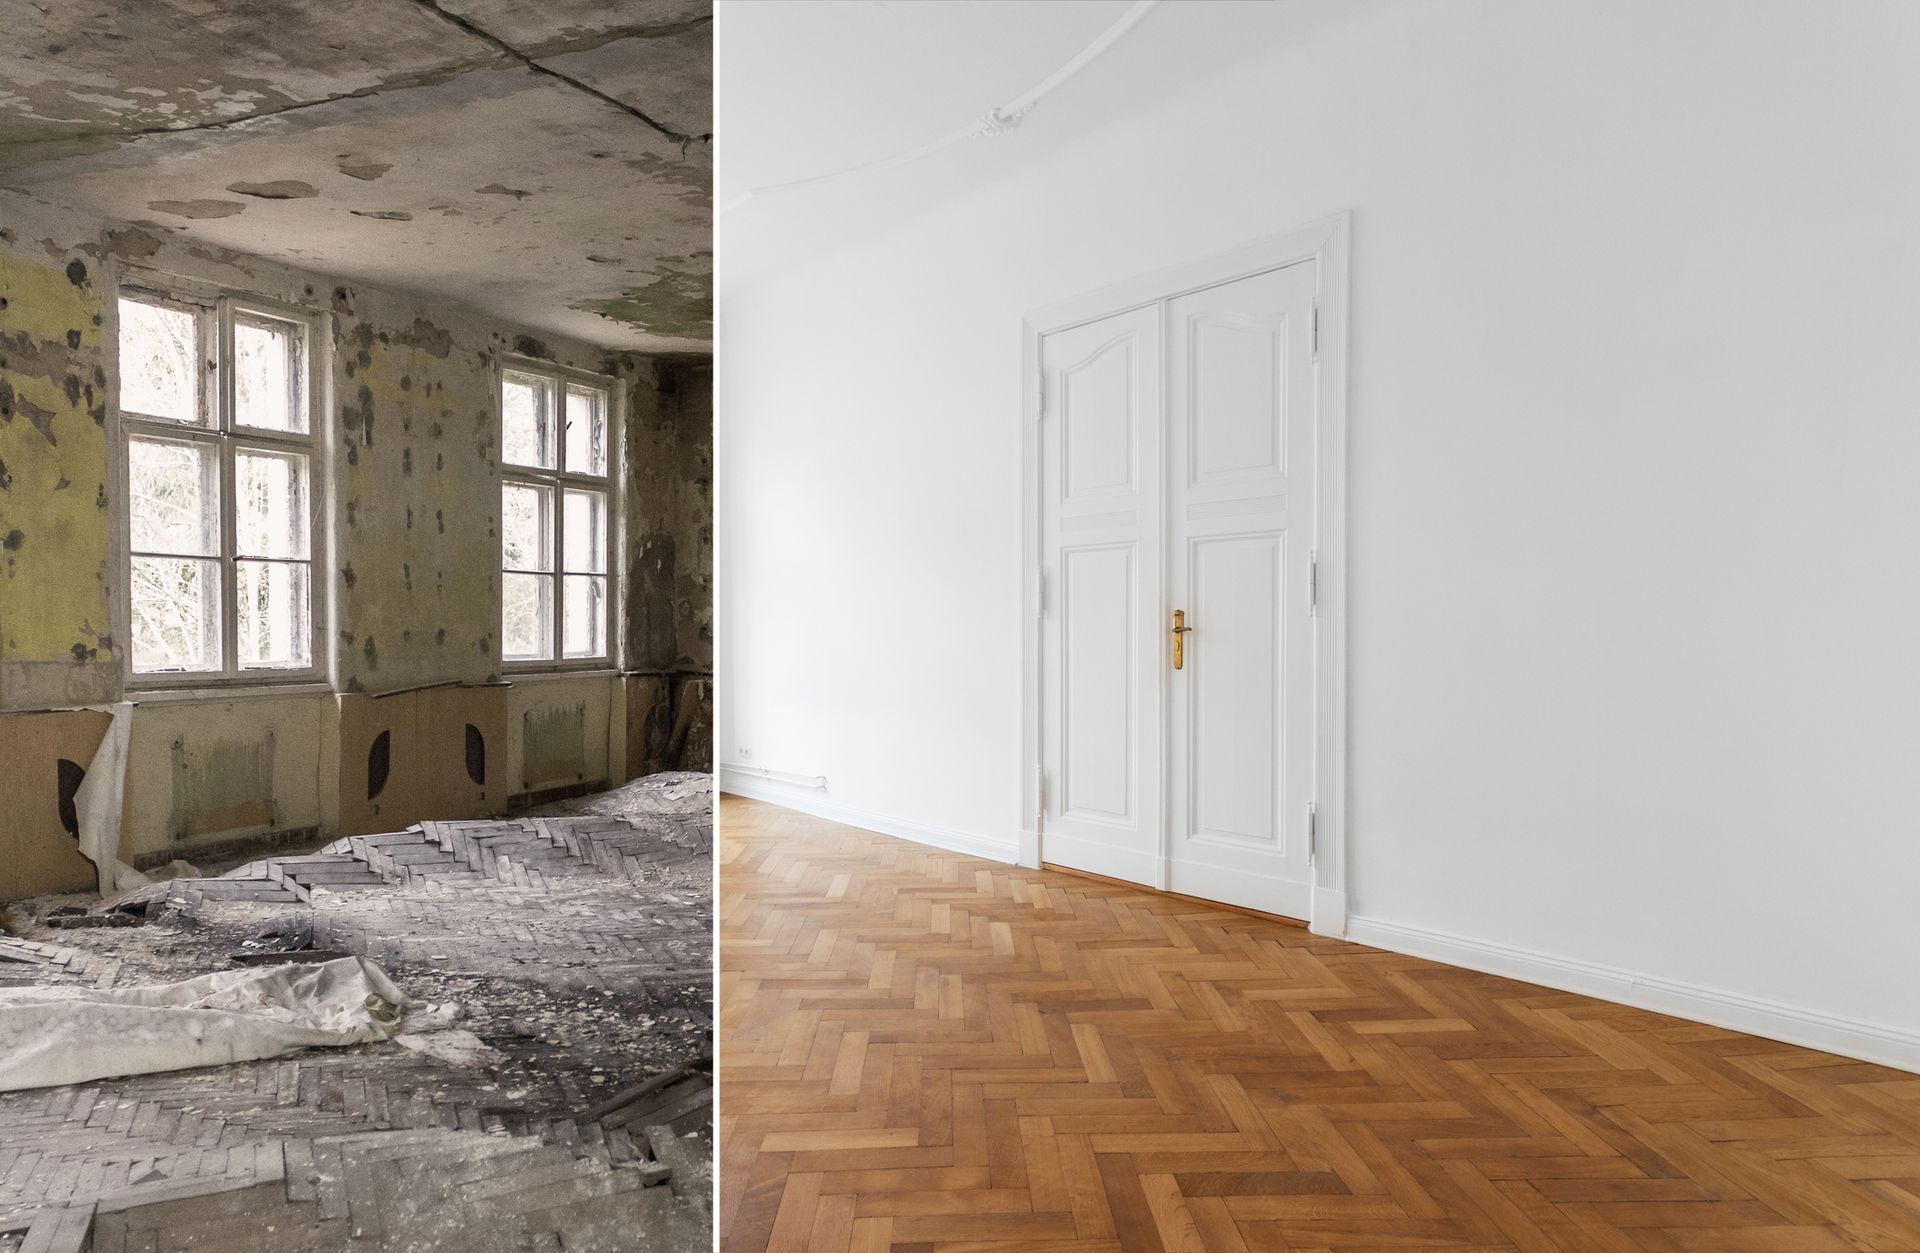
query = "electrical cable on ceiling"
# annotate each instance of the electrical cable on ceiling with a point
(995, 122)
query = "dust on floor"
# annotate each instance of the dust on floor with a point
(577, 939)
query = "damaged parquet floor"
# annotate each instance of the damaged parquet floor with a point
(579, 945)
(925, 1051)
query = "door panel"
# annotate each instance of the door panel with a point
(1241, 510)
(1099, 417)
(1238, 791)
(1101, 734)
(1237, 429)
(1097, 610)
(1198, 497)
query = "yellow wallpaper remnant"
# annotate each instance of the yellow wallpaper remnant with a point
(53, 482)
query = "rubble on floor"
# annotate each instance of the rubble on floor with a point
(577, 939)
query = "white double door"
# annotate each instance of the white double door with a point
(1178, 476)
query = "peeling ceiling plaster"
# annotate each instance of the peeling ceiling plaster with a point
(550, 164)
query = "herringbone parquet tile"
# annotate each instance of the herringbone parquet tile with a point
(922, 1050)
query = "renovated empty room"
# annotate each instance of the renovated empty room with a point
(355, 626)
(1316, 618)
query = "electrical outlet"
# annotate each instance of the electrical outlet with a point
(746, 754)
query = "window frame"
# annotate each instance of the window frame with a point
(557, 482)
(216, 428)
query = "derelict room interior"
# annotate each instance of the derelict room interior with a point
(355, 627)
(1317, 620)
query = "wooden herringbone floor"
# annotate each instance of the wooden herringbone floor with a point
(927, 1051)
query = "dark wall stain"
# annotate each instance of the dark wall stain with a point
(669, 611)
(669, 605)
(476, 755)
(70, 775)
(669, 723)
(379, 763)
(428, 338)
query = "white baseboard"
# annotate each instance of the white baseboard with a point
(816, 802)
(1328, 912)
(1791, 1024)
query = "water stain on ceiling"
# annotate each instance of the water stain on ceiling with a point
(550, 164)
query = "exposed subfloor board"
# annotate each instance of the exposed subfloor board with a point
(929, 1051)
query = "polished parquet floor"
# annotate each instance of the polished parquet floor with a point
(925, 1051)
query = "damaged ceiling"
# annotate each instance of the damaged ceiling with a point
(550, 164)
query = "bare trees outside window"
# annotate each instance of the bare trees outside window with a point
(219, 488)
(554, 510)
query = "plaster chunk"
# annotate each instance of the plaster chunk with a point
(279, 189)
(197, 208)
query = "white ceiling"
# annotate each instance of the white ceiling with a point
(806, 89)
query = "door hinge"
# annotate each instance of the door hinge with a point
(1040, 403)
(1316, 330)
(1313, 584)
(1040, 815)
(1040, 596)
(1313, 832)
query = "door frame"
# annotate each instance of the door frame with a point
(1326, 243)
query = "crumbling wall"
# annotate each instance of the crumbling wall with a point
(562, 736)
(56, 645)
(669, 568)
(417, 484)
(410, 551)
(201, 770)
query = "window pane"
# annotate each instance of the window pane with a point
(585, 615)
(175, 495)
(586, 430)
(585, 532)
(176, 614)
(526, 527)
(159, 362)
(526, 410)
(270, 504)
(274, 612)
(268, 374)
(526, 617)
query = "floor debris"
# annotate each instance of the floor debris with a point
(577, 940)
(55, 1034)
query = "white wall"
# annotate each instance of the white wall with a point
(1636, 475)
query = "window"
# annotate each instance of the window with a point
(555, 443)
(215, 406)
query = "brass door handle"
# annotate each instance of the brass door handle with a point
(1180, 629)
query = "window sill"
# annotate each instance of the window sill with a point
(185, 694)
(546, 672)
